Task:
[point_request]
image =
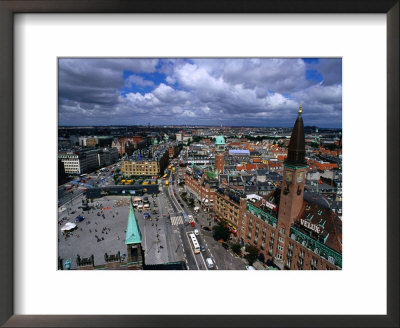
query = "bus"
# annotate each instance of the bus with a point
(185, 219)
(195, 243)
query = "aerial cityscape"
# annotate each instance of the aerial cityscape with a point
(199, 164)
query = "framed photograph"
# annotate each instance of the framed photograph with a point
(69, 69)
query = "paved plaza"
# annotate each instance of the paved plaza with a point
(164, 236)
(105, 233)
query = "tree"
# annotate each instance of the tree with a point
(236, 248)
(252, 254)
(315, 145)
(197, 138)
(117, 170)
(221, 232)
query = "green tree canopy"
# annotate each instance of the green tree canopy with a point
(221, 232)
(236, 248)
(252, 254)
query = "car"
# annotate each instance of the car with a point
(206, 228)
(225, 245)
(79, 218)
(202, 248)
(196, 232)
(192, 224)
(209, 262)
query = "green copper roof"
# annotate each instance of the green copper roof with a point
(212, 175)
(220, 140)
(155, 141)
(133, 235)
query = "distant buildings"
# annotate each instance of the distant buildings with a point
(127, 145)
(86, 160)
(149, 162)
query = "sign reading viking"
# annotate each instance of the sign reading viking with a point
(310, 226)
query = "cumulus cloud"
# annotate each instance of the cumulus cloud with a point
(252, 91)
(139, 81)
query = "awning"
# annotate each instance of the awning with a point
(68, 226)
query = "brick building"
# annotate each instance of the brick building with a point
(230, 206)
(289, 231)
(201, 184)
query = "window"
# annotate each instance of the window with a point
(331, 259)
(281, 239)
(314, 263)
(280, 247)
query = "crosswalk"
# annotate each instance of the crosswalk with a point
(176, 220)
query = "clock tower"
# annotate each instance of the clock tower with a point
(220, 154)
(294, 175)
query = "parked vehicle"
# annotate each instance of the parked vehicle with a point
(79, 218)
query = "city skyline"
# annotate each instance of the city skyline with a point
(259, 92)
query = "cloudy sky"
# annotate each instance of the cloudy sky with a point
(246, 92)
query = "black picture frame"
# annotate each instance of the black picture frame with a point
(7, 10)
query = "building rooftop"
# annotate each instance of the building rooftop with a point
(321, 224)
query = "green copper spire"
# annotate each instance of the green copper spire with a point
(133, 235)
(220, 140)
